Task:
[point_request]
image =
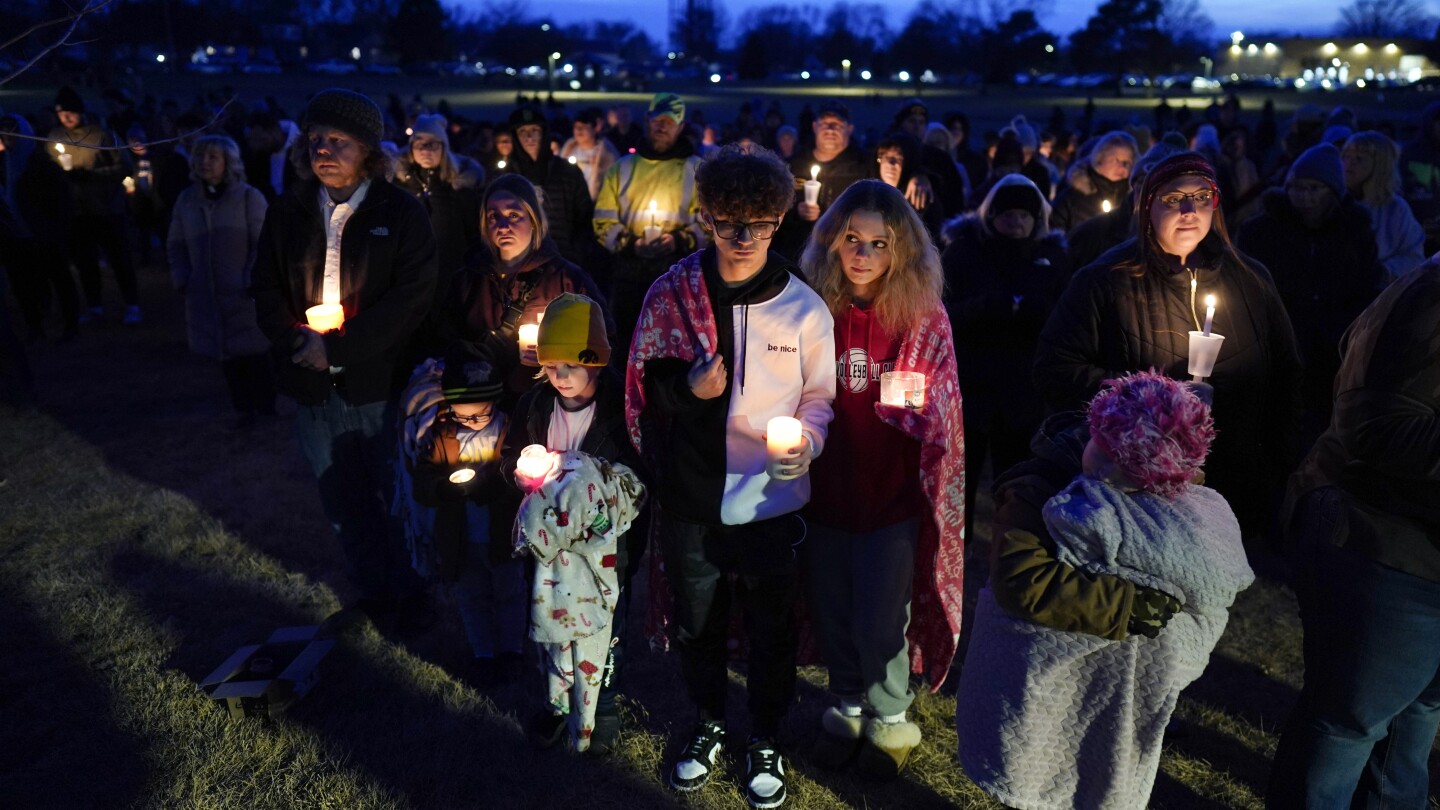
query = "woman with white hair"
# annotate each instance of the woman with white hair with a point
(1372, 174)
(212, 245)
(1097, 182)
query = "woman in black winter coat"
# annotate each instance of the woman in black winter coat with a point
(509, 277)
(1133, 308)
(1097, 181)
(1317, 242)
(1004, 271)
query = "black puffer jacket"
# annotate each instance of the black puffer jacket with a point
(1110, 321)
(1085, 197)
(565, 197)
(999, 292)
(1326, 277)
(454, 209)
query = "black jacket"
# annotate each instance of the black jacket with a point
(1094, 237)
(1383, 443)
(1085, 198)
(565, 197)
(1326, 277)
(1110, 321)
(835, 176)
(994, 332)
(387, 280)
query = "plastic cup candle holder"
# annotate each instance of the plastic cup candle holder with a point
(529, 335)
(812, 186)
(67, 161)
(1204, 349)
(462, 476)
(905, 389)
(325, 317)
(782, 435)
(534, 464)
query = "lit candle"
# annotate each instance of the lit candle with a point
(573, 161)
(67, 162)
(325, 317)
(1105, 206)
(500, 165)
(653, 206)
(1209, 314)
(529, 335)
(129, 184)
(782, 434)
(535, 462)
(464, 475)
(812, 186)
(904, 389)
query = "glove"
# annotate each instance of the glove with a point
(1150, 612)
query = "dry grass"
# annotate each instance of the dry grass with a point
(141, 543)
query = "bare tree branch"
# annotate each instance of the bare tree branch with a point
(208, 124)
(90, 7)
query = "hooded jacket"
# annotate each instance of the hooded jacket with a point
(1085, 196)
(564, 195)
(454, 208)
(96, 174)
(211, 246)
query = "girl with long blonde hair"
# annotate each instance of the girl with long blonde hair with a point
(887, 506)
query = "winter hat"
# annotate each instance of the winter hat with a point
(350, 112)
(1008, 152)
(1322, 163)
(526, 115)
(471, 376)
(67, 100)
(1176, 139)
(1337, 134)
(1177, 165)
(1023, 132)
(573, 331)
(1341, 116)
(835, 108)
(912, 106)
(667, 104)
(1015, 197)
(1155, 430)
(1162, 149)
(433, 125)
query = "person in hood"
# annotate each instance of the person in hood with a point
(508, 279)
(730, 339)
(886, 517)
(653, 187)
(563, 191)
(1004, 270)
(590, 150)
(1098, 234)
(1318, 244)
(448, 185)
(1132, 310)
(1097, 181)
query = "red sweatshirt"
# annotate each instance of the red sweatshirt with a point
(869, 475)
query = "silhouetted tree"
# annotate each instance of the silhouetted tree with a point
(1384, 18)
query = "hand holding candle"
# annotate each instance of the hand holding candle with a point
(812, 186)
(652, 231)
(1205, 344)
(534, 464)
(67, 162)
(783, 436)
(904, 389)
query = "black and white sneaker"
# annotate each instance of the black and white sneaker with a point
(764, 775)
(697, 762)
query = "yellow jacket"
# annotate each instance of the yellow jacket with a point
(622, 211)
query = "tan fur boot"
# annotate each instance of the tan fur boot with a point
(887, 747)
(839, 740)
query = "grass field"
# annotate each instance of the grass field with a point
(141, 543)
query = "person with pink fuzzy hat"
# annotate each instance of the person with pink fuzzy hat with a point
(1055, 719)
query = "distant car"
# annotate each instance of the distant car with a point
(261, 69)
(208, 68)
(333, 67)
(377, 69)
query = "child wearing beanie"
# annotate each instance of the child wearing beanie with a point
(450, 440)
(1055, 719)
(580, 595)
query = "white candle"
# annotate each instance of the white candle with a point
(464, 475)
(1209, 314)
(535, 461)
(529, 335)
(325, 317)
(653, 206)
(67, 162)
(652, 233)
(812, 186)
(782, 434)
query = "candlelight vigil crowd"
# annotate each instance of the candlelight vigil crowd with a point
(763, 366)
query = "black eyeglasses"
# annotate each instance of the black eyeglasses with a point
(474, 420)
(1202, 199)
(731, 230)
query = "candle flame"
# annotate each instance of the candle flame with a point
(815, 172)
(653, 206)
(500, 165)
(60, 147)
(1210, 301)
(572, 160)
(1105, 206)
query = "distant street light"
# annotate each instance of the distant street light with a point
(553, 58)
(1236, 38)
(1049, 48)
(845, 68)
(865, 75)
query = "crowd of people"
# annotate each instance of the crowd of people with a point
(528, 356)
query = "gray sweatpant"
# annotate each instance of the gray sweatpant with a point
(860, 603)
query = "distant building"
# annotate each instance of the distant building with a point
(1338, 61)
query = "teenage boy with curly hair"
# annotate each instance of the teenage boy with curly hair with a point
(729, 338)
